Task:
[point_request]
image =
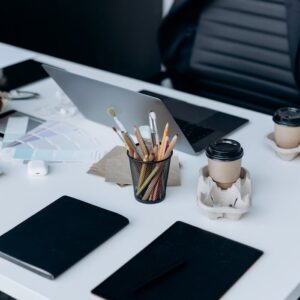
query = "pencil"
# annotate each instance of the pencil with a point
(150, 187)
(150, 166)
(171, 146)
(141, 141)
(164, 148)
(143, 172)
(148, 179)
(166, 130)
(157, 187)
(156, 184)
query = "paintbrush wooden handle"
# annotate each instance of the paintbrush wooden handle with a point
(131, 145)
(141, 141)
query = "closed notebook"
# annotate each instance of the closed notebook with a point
(185, 262)
(58, 236)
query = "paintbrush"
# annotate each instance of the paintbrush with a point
(141, 141)
(153, 126)
(112, 113)
(118, 133)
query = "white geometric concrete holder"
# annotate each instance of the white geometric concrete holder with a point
(283, 153)
(217, 203)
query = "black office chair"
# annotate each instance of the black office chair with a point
(241, 52)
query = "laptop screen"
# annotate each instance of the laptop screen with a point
(201, 126)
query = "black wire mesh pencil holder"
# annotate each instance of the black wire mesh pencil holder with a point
(149, 179)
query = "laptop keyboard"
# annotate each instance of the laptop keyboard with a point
(193, 132)
(199, 124)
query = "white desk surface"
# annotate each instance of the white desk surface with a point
(272, 225)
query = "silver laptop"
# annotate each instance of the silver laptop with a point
(93, 97)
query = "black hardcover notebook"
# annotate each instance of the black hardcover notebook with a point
(58, 236)
(185, 262)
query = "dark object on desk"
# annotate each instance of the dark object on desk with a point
(242, 52)
(4, 296)
(58, 236)
(201, 126)
(23, 95)
(32, 123)
(21, 74)
(185, 262)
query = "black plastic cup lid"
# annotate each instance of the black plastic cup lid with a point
(288, 116)
(225, 149)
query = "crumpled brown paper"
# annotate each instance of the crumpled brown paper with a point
(114, 167)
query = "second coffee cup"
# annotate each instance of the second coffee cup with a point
(287, 127)
(224, 162)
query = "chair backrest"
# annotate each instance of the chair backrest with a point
(241, 53)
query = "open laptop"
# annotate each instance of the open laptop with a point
(197, 126)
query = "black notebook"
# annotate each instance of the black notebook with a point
(185, 262)
(58, 236)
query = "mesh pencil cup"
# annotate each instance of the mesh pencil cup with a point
(149, 179)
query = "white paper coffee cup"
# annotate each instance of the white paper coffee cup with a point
(287, 127)
(224, 162)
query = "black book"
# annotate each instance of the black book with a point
(55, 238)
(185, 262)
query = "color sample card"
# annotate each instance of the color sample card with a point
(54, 141)
(15, 128)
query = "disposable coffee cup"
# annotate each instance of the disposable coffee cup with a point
(2, 102)
(287, 127)
(225, 162)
